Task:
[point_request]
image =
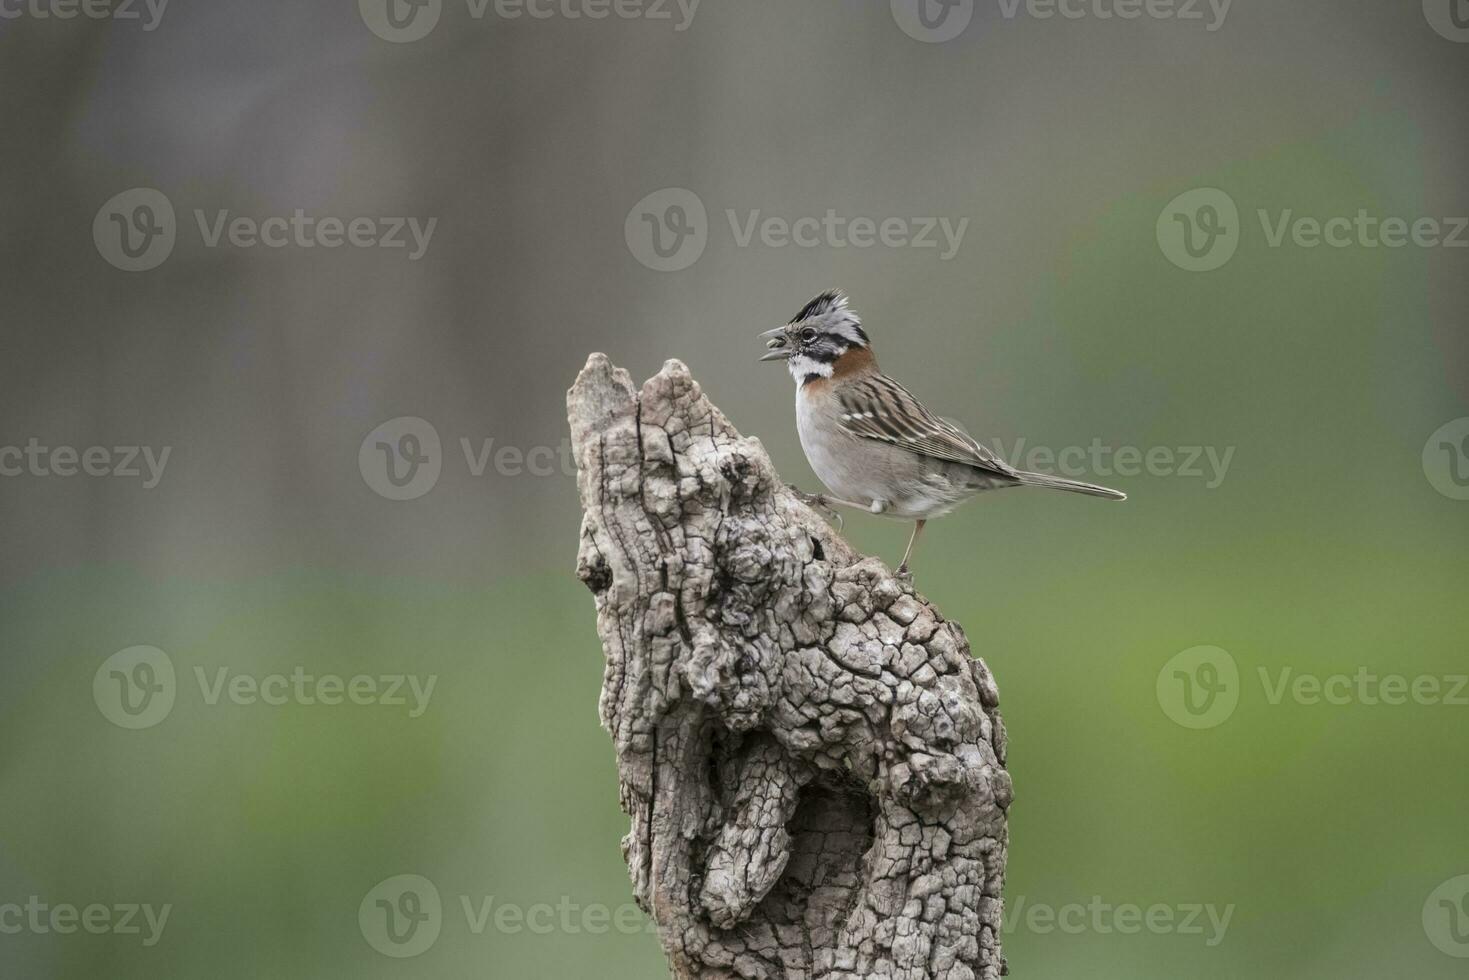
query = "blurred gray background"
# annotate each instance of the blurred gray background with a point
(1332, 541)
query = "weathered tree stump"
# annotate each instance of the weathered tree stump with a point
(813, 764)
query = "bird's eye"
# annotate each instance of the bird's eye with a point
(808, 335)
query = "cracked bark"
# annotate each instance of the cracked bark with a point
(813, 763)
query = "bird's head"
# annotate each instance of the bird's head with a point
(817, 337)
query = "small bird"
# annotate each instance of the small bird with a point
(874, 446)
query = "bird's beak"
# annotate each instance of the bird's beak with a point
(780, 349)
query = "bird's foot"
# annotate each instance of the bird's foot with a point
(904, 574)
(818, 503)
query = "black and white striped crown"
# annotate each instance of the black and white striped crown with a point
(831, 313)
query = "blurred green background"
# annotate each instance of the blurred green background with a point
(1333, 833)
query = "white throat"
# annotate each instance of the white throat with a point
(802, 367)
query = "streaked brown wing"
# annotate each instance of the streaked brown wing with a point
(880, 408)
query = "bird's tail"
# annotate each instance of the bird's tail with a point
(1071, 486)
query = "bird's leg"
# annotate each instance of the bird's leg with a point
(903, 571)
(821, 503)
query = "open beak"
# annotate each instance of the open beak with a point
(780, 348)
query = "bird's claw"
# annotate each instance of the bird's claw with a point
(904, 574)
(817, 502)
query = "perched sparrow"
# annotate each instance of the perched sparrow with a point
(870, 441)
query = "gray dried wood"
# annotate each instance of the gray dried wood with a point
(813, 763)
